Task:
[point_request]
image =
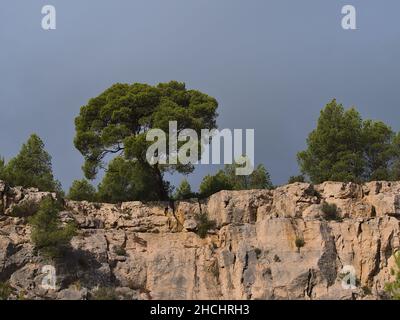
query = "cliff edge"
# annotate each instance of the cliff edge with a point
(264, 244)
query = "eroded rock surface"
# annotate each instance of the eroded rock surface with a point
(265, 244)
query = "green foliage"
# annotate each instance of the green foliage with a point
(5, 290)
(82, 190)
(24, 209)
(184, 191)
(299, 242)
(330, 211)
(345, 148)
(393, 288)
(299, 178)
(119, 251)
(379, 150)
(127, 180)
(116, 122)
(213, 184)
(228, 180)
(48, 235)
(258, 179)
(334, 149)
(105, 293)
(31, 167)
(204, 225)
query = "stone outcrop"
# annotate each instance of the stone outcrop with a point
(263, 244)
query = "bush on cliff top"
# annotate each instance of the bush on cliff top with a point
(49, 236)
(82, 190)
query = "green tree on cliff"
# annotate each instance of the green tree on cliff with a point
(127, 180)
(31, 167)
(227, 179)
(116, 123)
(184, 191)
(48, 235)
(343, 147)
(81, 190)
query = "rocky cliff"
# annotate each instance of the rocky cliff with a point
(266, 244)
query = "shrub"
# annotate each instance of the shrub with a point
(393, 288)
(214, 269)
(204, 225)
(214, 184)
(5, 290)
(24, 208)
(257, 252)
(48, 235)
(119, 251)
(330, 211)
(184, 191)
(299, 242)
(311, 192)
(82, 190)
(105, 293)
(299, 178)
(366, 290)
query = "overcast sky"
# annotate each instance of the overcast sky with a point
(271, 64)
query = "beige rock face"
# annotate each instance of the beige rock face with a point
(266, 244)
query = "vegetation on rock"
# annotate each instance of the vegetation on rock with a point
(48, 235)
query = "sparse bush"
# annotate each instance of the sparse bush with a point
(104, 293)
(393, 288)
(48, 235)
(330, 211)
(311, 192)
(214, 184)
(5, 290)
(24, 209)
(119, 251)
(204, 225)
(257, 251)
(214, 269)
(299, 242)
(366, 290)
(299, 178)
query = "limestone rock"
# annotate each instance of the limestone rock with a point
(267, 244)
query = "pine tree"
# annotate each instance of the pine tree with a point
(32, 167)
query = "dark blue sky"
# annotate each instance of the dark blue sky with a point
(271, 64)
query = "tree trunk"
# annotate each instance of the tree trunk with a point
(162, 193)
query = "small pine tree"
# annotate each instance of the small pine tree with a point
(184, 191)
(48, 235)
(82, 190)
